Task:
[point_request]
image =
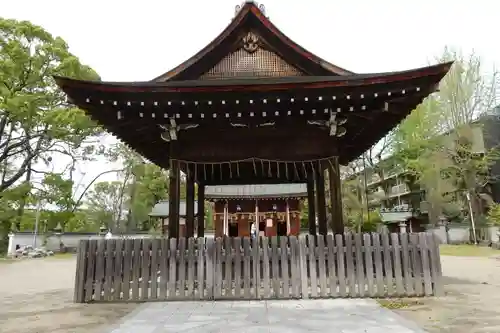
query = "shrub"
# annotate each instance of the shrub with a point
(493, 217)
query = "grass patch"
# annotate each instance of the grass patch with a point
(398, 303)
(466, 250)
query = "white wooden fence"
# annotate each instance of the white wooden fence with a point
(349, 265)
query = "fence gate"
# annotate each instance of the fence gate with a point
(349, 265)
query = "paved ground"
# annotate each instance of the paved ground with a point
(472, 302)
(290, 316)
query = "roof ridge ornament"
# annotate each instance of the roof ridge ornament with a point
(261, 7)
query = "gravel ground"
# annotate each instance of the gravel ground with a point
(36, 296)
(472, 301)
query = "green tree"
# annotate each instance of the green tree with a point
(143, 185)
(364, 222)
(355, 196)
(493, 217)
(37, 121)
(416, 143)
(375, 162)
(9, 203)
(103, 204)
(149, 185)
(56, 191)
(35, 115)
(437, 143)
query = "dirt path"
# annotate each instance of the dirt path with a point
(472, 301)
(36, 296)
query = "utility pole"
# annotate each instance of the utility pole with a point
(474, 237)
(37, 221)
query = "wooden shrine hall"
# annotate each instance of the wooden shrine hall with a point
(253, 107)
(273, 210)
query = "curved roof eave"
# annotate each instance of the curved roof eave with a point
(256, 85)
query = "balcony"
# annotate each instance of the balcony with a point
(392, 173)
(399, 190)
(375, 178)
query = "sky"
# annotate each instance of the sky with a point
(127, 40)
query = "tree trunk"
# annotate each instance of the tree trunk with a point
(22, 204)
(385, 187)
(118, 215)
(131, 223)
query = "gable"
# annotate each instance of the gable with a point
(252, 58)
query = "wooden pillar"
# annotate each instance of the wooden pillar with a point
(321, 201)
(311, 203)
(189, 207)
(336, 197)
(201, 210)
(173, 214)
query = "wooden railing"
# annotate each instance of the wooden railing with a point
(349, 265)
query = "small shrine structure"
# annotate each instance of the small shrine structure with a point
(161, 211)
(254, 107)
(273, 210)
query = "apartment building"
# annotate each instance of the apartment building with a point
(391, 192)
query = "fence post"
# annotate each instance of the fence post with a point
(256, 265)
(303, 267)
(81, 268)
(210, 254)
(435, 264)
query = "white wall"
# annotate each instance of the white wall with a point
(70, 240)
(460, 234)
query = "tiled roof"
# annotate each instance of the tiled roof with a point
(162, 208)
(256, 191)
(392, 217)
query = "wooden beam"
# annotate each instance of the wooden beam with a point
(311, 203)
(320, 199)
(173, 214)
(336, 197)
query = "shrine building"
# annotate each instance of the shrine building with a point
(160, 213)
(274, 209)
(254, 107)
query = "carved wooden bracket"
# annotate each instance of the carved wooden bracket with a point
(171, 130)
